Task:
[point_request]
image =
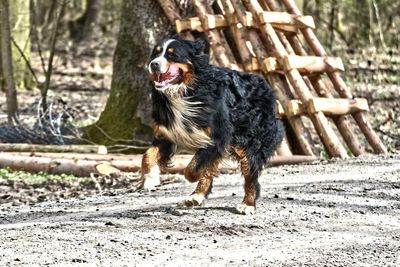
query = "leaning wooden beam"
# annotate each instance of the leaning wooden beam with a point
(221, 49)
(172, 14)
(326, 133)
(296, 123)
(341, 122)
(339, 84)
(239, 34)
(84, 167)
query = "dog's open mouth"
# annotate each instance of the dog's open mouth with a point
(172, 76)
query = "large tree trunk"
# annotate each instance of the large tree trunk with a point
(127, 112)
(6, 62)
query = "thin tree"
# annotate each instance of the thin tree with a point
(6, 62)
(49, 70)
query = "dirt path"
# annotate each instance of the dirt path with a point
(326, 214)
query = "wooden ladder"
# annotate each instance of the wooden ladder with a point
(264, 37)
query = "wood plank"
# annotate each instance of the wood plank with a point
(337, 106)
(296, 108)
(191, 24)
(215, 22)
(284, 18)
(312, 64)
(306, 65)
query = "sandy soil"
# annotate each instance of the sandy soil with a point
(337, 213)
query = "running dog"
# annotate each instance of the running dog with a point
(213, 112)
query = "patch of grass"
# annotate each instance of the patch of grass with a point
(8, 174)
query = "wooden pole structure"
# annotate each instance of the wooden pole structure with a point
(341, 122)
(326, 133)
(295, 122)
(266, 39)
(241, 38)
(221, 49)
(172, 14)
(339, 84)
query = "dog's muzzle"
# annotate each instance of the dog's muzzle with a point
(158, 65)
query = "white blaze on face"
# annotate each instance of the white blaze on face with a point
(161, 60)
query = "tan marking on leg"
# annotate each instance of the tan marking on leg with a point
(249, 189)
(205, 178)
(150, 159)
(150, 169)
(190, 174)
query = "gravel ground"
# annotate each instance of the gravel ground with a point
(336, 213)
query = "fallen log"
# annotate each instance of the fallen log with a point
(52, 148)
(84, 165)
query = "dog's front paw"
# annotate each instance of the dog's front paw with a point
(151, 180)
(245, 209)
(194, 200)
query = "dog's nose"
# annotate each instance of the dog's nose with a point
(155, 66)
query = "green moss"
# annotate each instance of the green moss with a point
(8, 174)
(118, 120)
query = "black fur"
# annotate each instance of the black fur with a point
(238, 107)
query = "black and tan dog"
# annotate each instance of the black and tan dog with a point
(213, 112)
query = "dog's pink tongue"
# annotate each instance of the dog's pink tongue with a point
(172, 71)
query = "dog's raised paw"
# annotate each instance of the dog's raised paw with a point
(194, 200)
(245, 209)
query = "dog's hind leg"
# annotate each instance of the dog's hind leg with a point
(205, 180)
(251, 185)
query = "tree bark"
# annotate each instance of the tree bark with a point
(127, 112)
(88, 24)
(92, 18)
(6, 62)
(20, 27)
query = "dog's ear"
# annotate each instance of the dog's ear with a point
(176, 36)
(199, 46)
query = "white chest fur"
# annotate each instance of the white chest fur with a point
(182, 131)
